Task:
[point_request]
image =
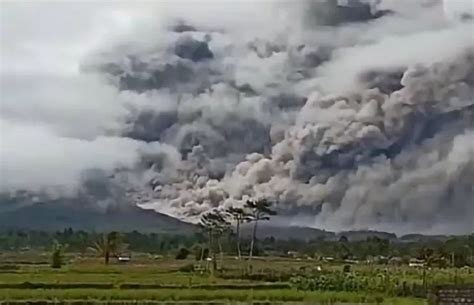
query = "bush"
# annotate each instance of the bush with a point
(9, 268)
(200, 253)
(270, 277)
(346, 268)
(29, 285)
(187, 268)
(183, 253)
(233, 286)
(57, 255)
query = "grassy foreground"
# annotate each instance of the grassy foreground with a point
(163, 281)
(286, 295)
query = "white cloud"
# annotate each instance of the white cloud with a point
(34, 159)
(422, 48)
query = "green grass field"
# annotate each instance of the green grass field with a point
(150, 279)
(202, 295)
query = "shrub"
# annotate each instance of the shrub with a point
(200, 253)
(9, 268)
(57, 255)
(346, 268)
(183, 253)
(29, 285)
(187, 268)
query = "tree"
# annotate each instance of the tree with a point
(343, 251)
(215, 224)
(259, 210)
(343, 239)
(426, 254)
(57, 254)
(182, 254)
(108, 245)
(240, 216)
(200, 252)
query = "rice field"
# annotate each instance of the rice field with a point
(161, 281)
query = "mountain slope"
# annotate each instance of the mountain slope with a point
(57, 216)
(285, 232)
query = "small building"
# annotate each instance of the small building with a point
(124, 258)
(328, 259)
(416, 263)
(395, 261)
(351, 261)
(293, 254)
(199, 268)
(381, 260)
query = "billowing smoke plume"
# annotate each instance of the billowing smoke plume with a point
(357, 113)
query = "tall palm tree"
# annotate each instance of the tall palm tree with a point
(207, 223)
(108, 245)
(240, 216)
(222, 229)
(259, 210)
(215, 224)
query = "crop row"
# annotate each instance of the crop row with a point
(29, 285)
(198, 295)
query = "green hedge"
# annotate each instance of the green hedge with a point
(208, 286)
(134, 286)
(141, 302)
(28, 285)
(9, 268)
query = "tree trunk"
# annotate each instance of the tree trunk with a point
(424, 279)
(210, 250)
(107, 257)
(220, 252)
(252, 243)
(214, 262)
(238, 240)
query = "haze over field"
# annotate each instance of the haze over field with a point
(348, 118)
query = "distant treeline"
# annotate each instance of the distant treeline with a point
(80, 241)
(457, 250)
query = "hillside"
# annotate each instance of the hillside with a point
(286, 232)
(57, 216)
(60, 214)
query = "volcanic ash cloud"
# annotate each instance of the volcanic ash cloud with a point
(361, 116)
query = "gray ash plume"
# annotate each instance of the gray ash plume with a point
(358, 113)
